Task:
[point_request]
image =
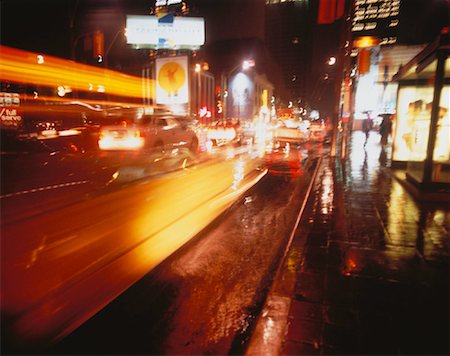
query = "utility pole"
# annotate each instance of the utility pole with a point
(341, 73)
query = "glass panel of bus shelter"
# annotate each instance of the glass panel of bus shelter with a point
(412, 127)
(441, 154)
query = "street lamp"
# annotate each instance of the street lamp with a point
(244, 65)
(198, 68)
(248, 63)
(123, 30)
(198, 96)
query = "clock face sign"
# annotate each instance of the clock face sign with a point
(171, 78)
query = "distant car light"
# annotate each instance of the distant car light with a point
(114, 141)
(69, 132)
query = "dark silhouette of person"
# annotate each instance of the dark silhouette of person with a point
(385, 129)
(367, 127)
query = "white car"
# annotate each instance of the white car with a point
(148, 132)
(285, 132)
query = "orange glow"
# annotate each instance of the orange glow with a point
(365, 42)
(351, 264)
(23, 67)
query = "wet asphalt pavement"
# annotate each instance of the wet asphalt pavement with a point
(204, 299)
(368, 270)
(367, 273)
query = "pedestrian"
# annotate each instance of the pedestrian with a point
(385, 129)
(366, 127)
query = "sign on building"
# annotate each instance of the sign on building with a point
(181, 33)
(172, 80)
(10, 117)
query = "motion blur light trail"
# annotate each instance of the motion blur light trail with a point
(31, 68)
(34, 104)
(60, 268)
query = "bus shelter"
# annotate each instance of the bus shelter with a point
(421, 139)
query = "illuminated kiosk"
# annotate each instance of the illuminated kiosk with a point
(422, 127)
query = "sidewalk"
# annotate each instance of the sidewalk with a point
(367, 271)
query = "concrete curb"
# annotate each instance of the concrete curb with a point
(268, 336)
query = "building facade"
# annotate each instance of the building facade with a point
(248, 96)
(288, 40)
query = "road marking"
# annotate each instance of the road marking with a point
(41, 189)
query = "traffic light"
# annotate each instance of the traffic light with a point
(364, 60)
(98, 47)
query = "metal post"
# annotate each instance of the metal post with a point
(438, 84)
(341, 65)
(110, 46)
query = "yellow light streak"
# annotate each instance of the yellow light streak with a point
(22, 67)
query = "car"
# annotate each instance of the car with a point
(223, 132)
(317, 131)
(145, 132)
(289, 132)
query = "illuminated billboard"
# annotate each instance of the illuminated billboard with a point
(172, 80)
(241, 89)
(413, 124)
(182, 33)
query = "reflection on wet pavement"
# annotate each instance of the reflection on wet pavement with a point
(204, 298)
(374, 274)
(219, 278)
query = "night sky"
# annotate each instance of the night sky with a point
(44, 25)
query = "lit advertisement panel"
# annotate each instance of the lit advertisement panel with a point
(172, 80)
(412, 125)
(241, 96)
(148, 32)
(379, 18)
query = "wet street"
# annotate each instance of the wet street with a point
(365, 271)
(205, 298)
(63, 260)
(368, 270)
